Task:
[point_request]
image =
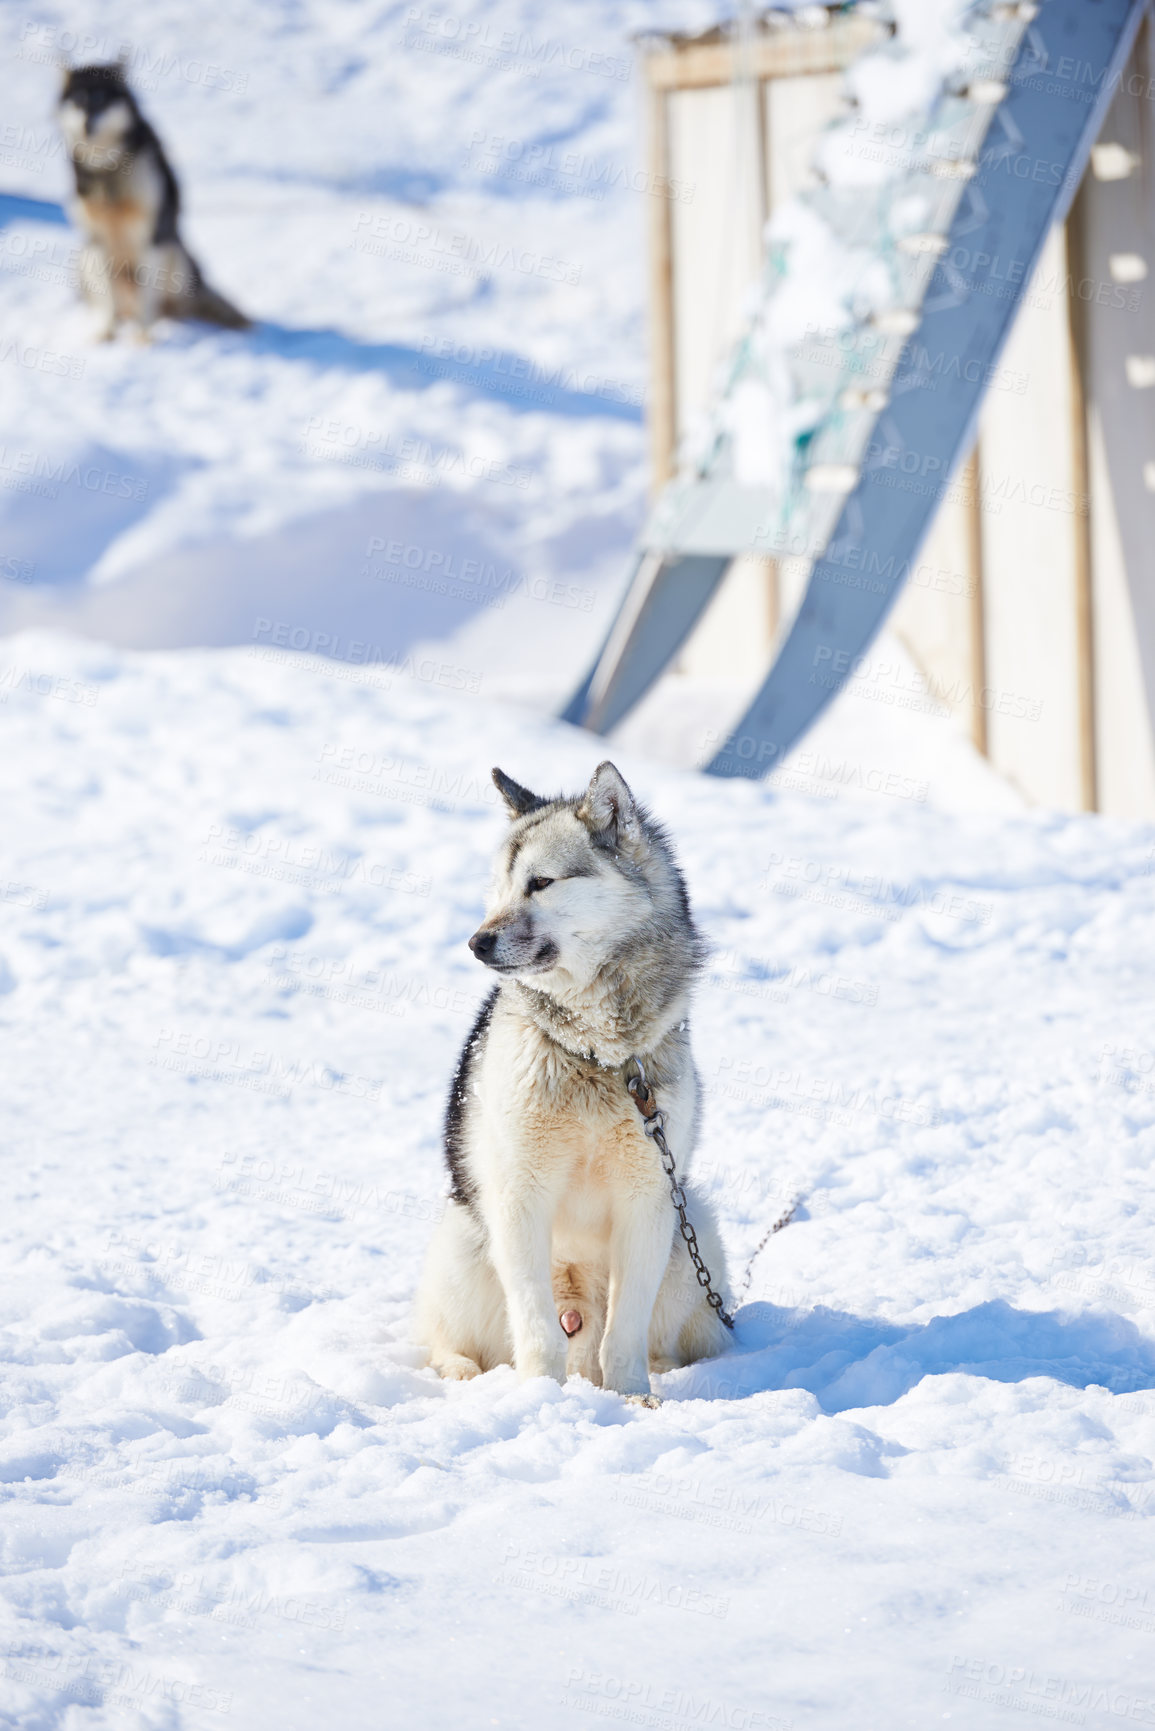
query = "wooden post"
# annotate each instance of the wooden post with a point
(663, 384)
(1081, 487)
(972, 485)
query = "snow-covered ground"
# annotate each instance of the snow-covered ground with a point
(235, 886)
(236, 983)
(436, 428)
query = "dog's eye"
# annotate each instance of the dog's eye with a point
(536, 884)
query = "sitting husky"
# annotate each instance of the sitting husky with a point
(134, 267)
(557, 1252)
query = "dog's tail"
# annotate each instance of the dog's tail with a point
(188, 295)
(207, 304)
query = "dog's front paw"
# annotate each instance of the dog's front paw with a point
(541, 1361)
(626, 1376)
(650, 1400)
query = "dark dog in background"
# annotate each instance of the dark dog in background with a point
(134, 267)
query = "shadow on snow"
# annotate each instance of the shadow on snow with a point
(852, 1361)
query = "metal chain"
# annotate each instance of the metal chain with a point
(783, 1219)
(653, 1123)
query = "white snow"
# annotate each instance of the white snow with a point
(235, 887)
(237, 982)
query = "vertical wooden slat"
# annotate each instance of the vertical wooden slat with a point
(972, 483)
(663, 383)
(1081, 486)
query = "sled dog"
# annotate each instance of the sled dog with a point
(134, 267)
(557, 1252)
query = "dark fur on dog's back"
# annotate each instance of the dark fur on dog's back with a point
(91, 86)
(462, 1184)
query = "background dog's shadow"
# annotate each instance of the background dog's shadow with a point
(852, 1361)
(500, 374)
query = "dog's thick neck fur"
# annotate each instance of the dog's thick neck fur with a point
(638, 1003)
(610, 1021)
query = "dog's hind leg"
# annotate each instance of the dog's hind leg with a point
(158, 269)
(684, 1328)
(454, 1366)
(460, 1312)
(95, 274)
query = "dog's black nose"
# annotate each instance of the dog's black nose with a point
(483, 943)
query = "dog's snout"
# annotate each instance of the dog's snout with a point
(483, 943)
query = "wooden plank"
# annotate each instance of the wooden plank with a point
(1078, 353)
(663, 385)
(972, 482)
(790, 51)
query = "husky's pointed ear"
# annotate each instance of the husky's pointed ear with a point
(608, 808)
(518, 799)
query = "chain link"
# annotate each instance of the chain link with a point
(653, 1123)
